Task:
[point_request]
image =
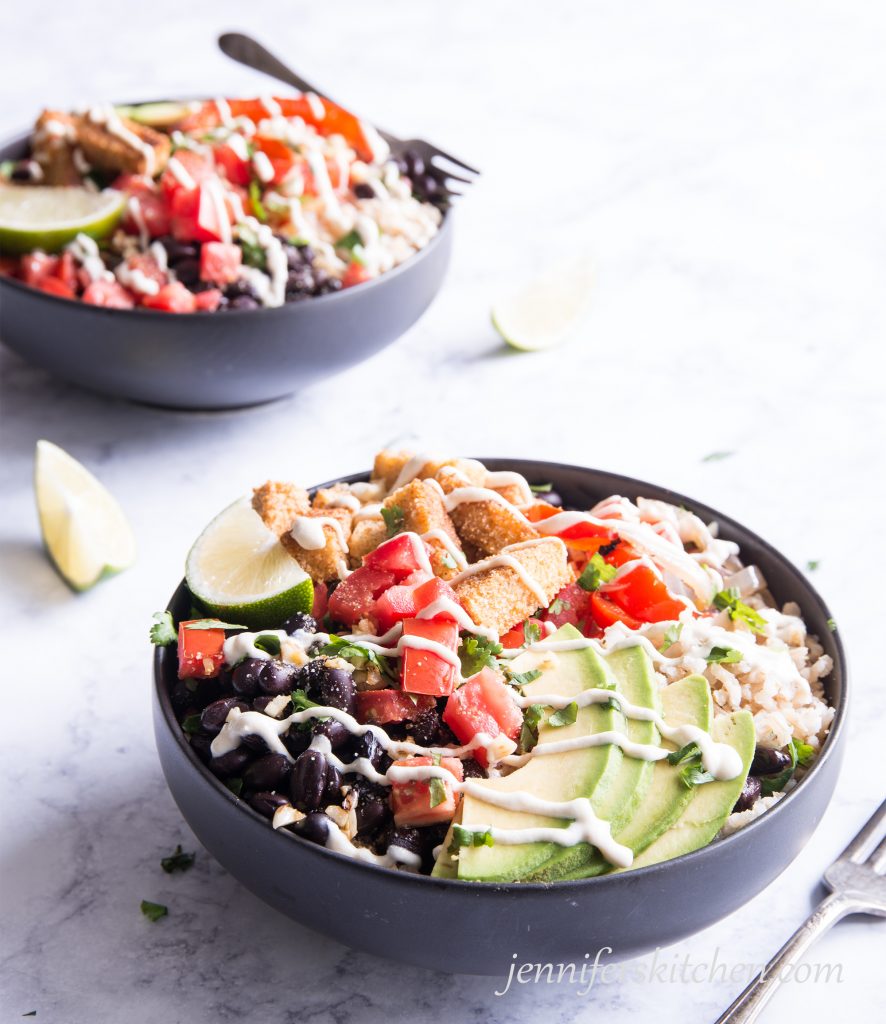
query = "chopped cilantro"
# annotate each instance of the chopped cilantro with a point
(254, 254)
(558, 605)
(730, 601)
(269, 643)
(163, 632)
(393, 518)
(300, 701)
(812, 564)
(541, 488)
(800, 754)
(153, 911)
(349, 240)
(531, 632)
(235, 786)
(438, 792)
(596, 573)
(672, 635)
(717, 456)
(724, 656)
(686, 753)
(178, 860)
(694, 775)
(191, 724)
(355, 653)
(255, 201)
(565, 716)
(476, 653)
(523, 678)
(462, 836)
(805, 753)
(832, 625)
(529, 732)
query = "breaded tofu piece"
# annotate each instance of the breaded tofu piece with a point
(53, 142)
(423, 510)
(389, 465)
(326, 562)
(366, 536)
(510, 492)
(337, 496)
(108, 151)
(278, 503)
(498, 597)
(487, 526)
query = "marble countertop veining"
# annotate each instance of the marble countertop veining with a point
(724, 171)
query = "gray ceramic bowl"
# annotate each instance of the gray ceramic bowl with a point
(475, 928)
(217, 360)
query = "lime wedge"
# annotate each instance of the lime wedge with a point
(84, 529)
(165, 114)
(547, 311)
(239, 571)
(48, 217)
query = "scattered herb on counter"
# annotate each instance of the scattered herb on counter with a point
(153, 911)
(178, 860)
(717, 456)
(813, 564)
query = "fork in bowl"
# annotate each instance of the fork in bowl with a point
(858, 886)
(434, 161)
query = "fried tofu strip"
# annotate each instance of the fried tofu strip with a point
(423, 511)
(278, 504)
(337, 496)
(326, 562)
(54, 139)
(389, 465)
(107, 151)
(487, 526)
(499, 597)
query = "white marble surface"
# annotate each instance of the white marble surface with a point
(723, 166)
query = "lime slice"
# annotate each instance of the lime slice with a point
(547, 311)
(48, 217)
(84, 529)
(239, 571)
(165, 114)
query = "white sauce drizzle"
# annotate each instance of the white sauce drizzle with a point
(445, 541)
(85, 251)
(181, 174)
(263, 167)
(341, 499)
(506, 478)
(308, 532)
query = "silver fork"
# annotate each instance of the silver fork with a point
(857, 887)
(250, 52)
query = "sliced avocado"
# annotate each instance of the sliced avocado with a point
(632, 669)
(157, 115)
(446, 865)
(712, 802)
(588, 772)
(686, 702)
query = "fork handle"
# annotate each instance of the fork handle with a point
(246, 50)
(748, 1006)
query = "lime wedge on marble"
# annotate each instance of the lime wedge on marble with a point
(84, 529)
(239, 571)
(48, 216)
(546, 311)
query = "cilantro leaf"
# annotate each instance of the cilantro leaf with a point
(541, 488)
(268, 643)
(462, 836)
(523, 678)
(349, 240)
(355, 653)
(694, 775)
(724, 656)
(300, 701)
(565, 716)
(153, 911)
(558, 605)
(438, 792)
(531, 633)
(393, 518)
(805, 753)
(476, 653)
(729, 601)
(191, 724)
(686, 753)
(178, 860)
(163, 632)
(672, 635)
(255, 201)
(532, 717)
(800, 754)
(235, 786)
(596, 573)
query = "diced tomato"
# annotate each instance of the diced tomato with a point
(355, 274)
(220, 262)
(378, 707)
(574, 609)
(208, 301)
(643, 595)
(401, 555)
(236, 169)
(516, 637)
(281, 156)
(37, 265)
(111, 294)
(53, 286)
(607, 612)
(433, 591)
(483, 704)
(201, 215)
(9, 265)
(66, 271)
(425, 671)
(353, 599)
(395, 604)
(411, 800)
(321, 601)
(193, 169)
(145, 264)
(172, 298)
(153, 213)
(200, 651)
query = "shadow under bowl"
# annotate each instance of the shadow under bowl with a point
(471, 928)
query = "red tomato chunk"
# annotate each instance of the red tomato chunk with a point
(411, 801)
(483, 704)
(200, 651)
(425, 671)
(378, 707)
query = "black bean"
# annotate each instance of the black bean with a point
(337, 734)
(472, 769)
(314, 782)
(276, 677)
(750, 794)
(225, 680)
(336, 689)
(331, 285)
(297, 741)
(426, 726)
(188, 271)
(363, 190)
(181, 695)
(268, 772)
(256, 744)
(301, 621)
(769, 762)
(232, 763)
(177, 251)
(215, 714)
(314, 827)
(369, 746)
(372, 814)
(551, 497)
(266, 803)
(244, 679)
(407, 837)
(243, 302)
(309, 677)
(240, 287)
(201, 745)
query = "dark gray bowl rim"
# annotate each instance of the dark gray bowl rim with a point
(139, 311)
(408, 878)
